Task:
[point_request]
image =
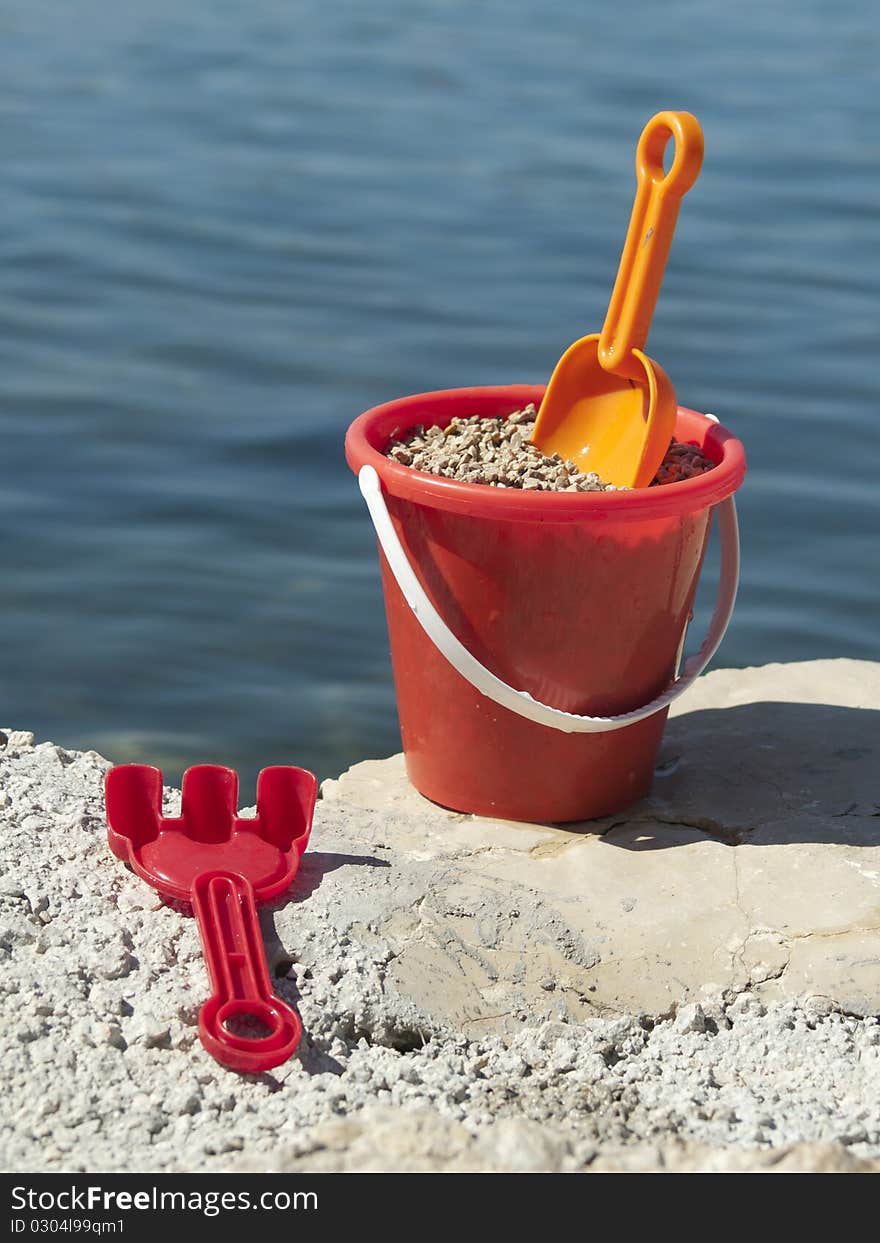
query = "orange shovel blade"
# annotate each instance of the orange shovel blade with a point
(604, 421)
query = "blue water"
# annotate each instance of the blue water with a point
(227, 229)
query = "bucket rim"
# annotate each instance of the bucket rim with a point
(368, 434)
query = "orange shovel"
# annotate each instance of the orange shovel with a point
(608, 407)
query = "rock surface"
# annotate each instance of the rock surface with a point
(755, 864)
(692, 985)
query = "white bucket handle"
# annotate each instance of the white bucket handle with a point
(486, 682)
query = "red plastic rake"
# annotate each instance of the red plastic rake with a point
(223, 865)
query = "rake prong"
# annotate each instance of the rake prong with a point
(209, 802)
(285, 805)
(133, 797)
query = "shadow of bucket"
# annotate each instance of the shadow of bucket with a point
(535, 636)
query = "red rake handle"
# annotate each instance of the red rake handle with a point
(226, 911)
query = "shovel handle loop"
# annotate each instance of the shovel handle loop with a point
(649, 236)
(520, 702)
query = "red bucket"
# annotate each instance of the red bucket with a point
(535, 636)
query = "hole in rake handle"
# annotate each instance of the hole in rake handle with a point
(248, 1020)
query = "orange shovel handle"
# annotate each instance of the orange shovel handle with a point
(651, 226)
